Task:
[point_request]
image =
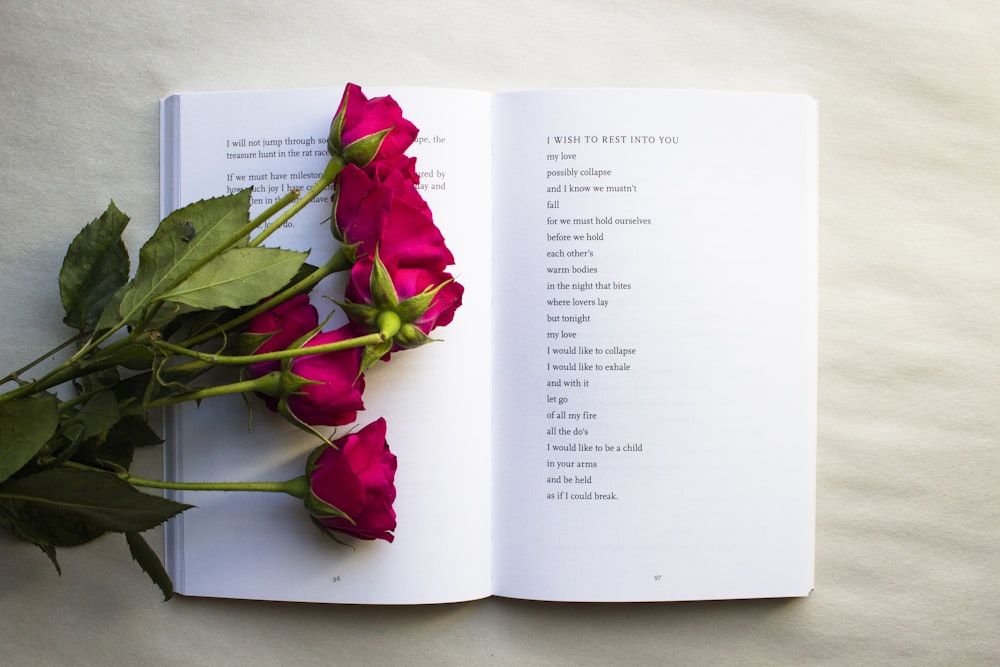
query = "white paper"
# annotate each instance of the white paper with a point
(660, 251)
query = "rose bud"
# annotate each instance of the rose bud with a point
(367, 132)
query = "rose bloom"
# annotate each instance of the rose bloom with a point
(363, 117)
(409, 282)
(334, 394)
(287, 322)
(356, 477)
(389, 215)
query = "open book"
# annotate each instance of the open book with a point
(624, 407)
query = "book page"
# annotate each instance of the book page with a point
(436, 399)
(655, 345)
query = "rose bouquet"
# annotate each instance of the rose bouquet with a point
(207, 294)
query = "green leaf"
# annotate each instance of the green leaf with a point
(48, 549)
(95, 266)
(184, 238)
(168, 312)
(135, 430)
(190, 325)
(150, 563)
(64, 507)
(81, 424)
(98, 414)
(25, 426)
(110, 314)
(141, 388)
(236, 278)
(199, 322)
(116, 450)
(102, 378)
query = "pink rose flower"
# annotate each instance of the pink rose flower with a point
(333, 393)
(355, 477)
(370, 132)
(402, 165)
(286, 322)
(388, 214)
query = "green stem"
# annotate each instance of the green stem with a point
(333, 167)
(388, 323)
(188, 367)
(64, 373)
(297, 487)
(24, 369)
(71, 369)
(223, 360)
(265, 383)
(271, 210)
(81, 398)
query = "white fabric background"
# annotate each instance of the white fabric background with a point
(908, 507)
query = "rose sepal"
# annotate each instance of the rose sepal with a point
(383, 290)
(274, 384)
(290, 383)
(410, 336)
(373, 353)
(411, 309)
(363, 150)
(317, 507)
(333, 143)
(248, 343)
(323, 510)
(361, 314)
(360, 151)
(350, 250)
(290, 417)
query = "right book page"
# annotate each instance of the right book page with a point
(655, 337)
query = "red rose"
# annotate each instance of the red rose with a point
(369, 132)
(286, 322)
(331, 394)
(354, 478)
(388, 214)
(408, 282)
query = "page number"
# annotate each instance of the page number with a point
(657, 577)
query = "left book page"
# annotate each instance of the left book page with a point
(436, 399)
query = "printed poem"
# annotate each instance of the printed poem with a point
(593, 215)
